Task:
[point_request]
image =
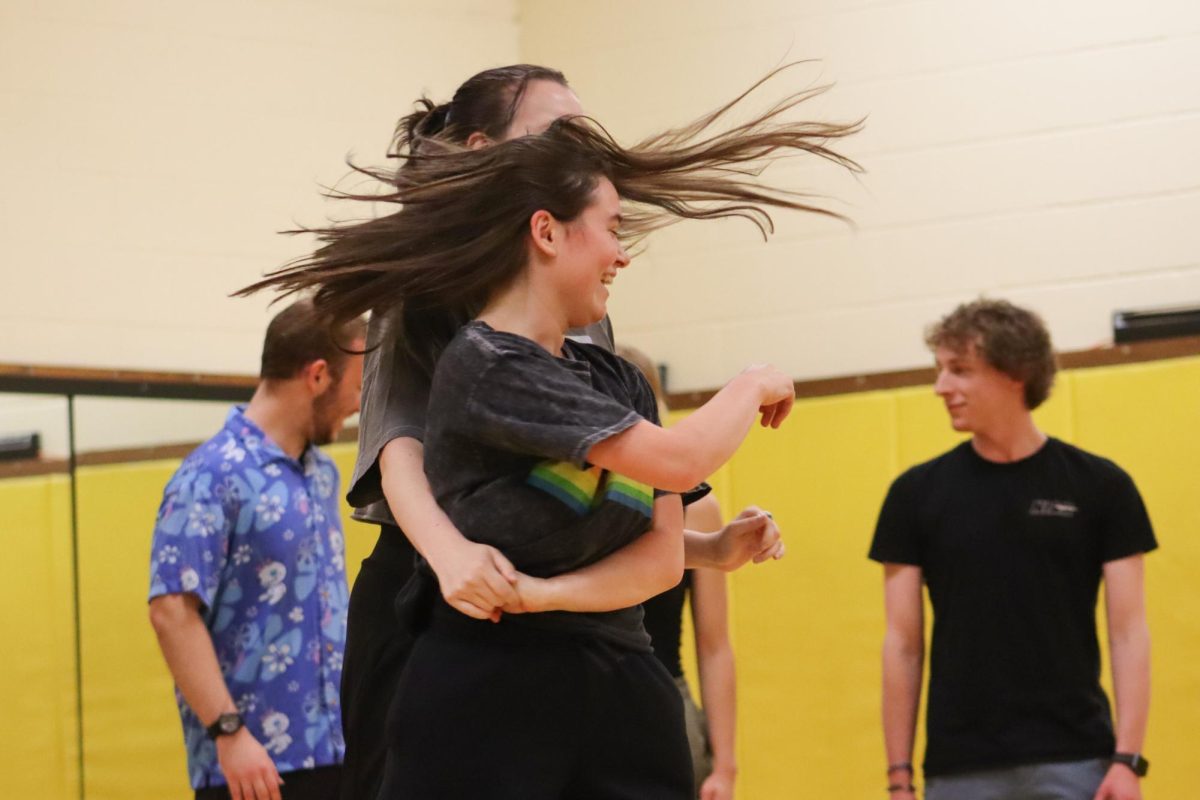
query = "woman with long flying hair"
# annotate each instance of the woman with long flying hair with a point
(389, 487)
(547, 449)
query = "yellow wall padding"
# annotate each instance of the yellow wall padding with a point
(807, 630)
(132, 740)
(38, 755)
(360, 537)
(1146, 417)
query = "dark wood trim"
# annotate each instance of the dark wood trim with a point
(1132, 353)
(179, 385)
(177, 450)
(126, 455)
(824, 387)
(37, 379)
(33, 466)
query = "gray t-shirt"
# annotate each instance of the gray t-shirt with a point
(509, 430)
(394, 399)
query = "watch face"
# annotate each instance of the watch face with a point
(230, 724)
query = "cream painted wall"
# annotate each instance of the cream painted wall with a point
(151, 150)
(1037, 150)
(1041, 151)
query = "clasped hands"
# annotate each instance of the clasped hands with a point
(479, 581)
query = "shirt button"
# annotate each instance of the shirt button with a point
(329, 647)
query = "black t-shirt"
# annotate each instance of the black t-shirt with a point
(664, 623)
(394, 399)
(507, 434)
(1012, 555)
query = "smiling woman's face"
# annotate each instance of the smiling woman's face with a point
(591, 254)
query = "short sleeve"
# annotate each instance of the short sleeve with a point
(897, 538)
(1125, 529)
(395, 396)
(191, 535)
(537, 405)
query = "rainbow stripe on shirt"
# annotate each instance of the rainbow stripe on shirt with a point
(584, 489)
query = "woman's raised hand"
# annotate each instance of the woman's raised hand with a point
(776, 390)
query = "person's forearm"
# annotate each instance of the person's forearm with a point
(1130, 648)
(474, 579)
(710, 435)
(700, 549)
(648, 566)
(410, 499)
(718, 695)
(679, 457)
(188, 650)
(902, 666)
(714, 655)
(752, 535)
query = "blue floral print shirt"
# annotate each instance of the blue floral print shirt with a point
(256, 536)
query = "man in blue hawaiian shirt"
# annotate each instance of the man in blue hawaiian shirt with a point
(247, 575)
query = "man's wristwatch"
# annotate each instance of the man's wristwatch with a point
(1134, 761)
(225, 725)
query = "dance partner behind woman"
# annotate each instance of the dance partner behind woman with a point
(389, 484)
(389, 487)
(711, 731)
(523, 235)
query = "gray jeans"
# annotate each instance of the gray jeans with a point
(1063, 780)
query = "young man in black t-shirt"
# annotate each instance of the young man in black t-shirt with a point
(1012, 532)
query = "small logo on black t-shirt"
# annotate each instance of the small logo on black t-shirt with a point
(1052, 508)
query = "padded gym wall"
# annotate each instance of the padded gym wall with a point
(988, 147)
(192, 133)
(807, 630)
(38, 756)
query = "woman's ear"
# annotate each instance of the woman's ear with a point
(545, 232)
(478, 140)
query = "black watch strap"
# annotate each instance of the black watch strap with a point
(225, 725)
(1134, 761)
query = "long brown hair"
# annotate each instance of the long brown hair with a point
(460, 232)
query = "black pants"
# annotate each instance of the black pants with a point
(505, 712)
(376, 648)
(302, 784)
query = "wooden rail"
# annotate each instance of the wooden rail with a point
(232, 388)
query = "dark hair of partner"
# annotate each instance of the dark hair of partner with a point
(1009, 338)
(461, 231)
(485, 103)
